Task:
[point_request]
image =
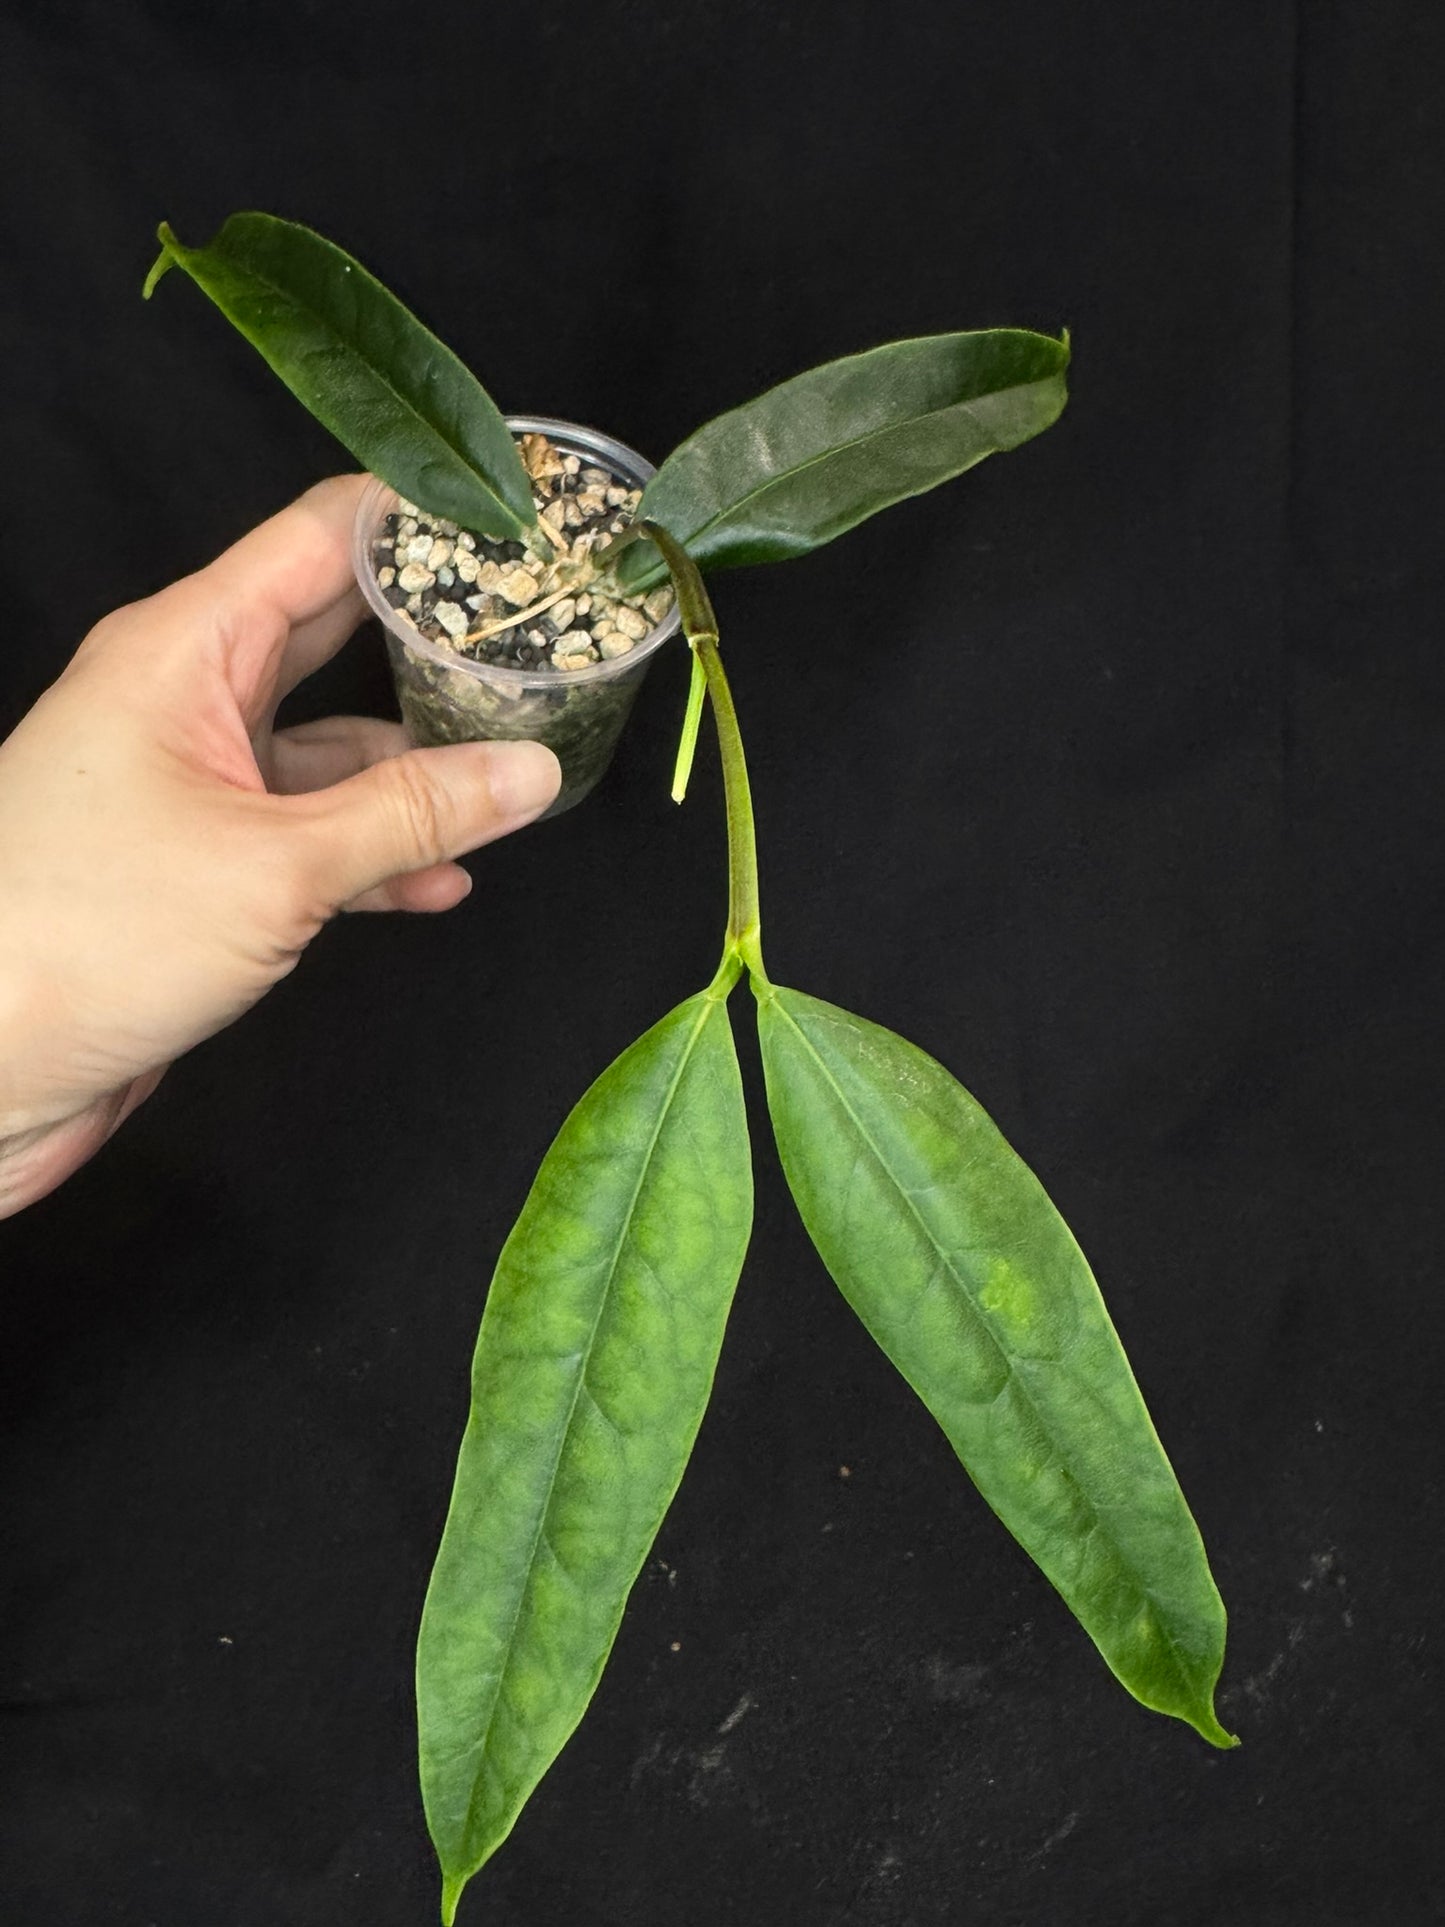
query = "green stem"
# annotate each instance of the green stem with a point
(700, 627)
(744, 917)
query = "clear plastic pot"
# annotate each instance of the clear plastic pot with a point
(448, 698)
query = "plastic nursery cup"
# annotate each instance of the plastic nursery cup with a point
(448, 698)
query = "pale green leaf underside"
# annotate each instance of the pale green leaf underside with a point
(592, 1371)
(949, 1250)
(800, 464)
(390, 392)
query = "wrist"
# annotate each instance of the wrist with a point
(27, 1028)
(35, 1161)
(45, 1131)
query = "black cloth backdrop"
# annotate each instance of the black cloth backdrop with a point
(1109, 774)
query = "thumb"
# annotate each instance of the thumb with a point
(422, 808)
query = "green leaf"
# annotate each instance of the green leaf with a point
(810, 458)
(592, 1370)
(947, 1247)
(403, 404)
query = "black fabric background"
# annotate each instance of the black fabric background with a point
(1110, 775)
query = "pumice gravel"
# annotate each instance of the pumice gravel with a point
(502, 603)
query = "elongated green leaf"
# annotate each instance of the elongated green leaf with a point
(593, 1367)
(365, 366)
(946, 1246)
(810, 458)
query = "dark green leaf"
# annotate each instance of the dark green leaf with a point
(592, 1370)
(946, 1246)
(805, 461)
(403, 404)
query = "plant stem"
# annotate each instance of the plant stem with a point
(700, 627)
(744, 916)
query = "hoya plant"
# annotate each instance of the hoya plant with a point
(605, 1314)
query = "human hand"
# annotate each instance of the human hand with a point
(166, 854)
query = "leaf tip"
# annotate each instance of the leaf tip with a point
(165, 260)
(1206, 1725)
(452, 1885)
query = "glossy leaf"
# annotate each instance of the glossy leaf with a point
(800, 464)
(403, 404)
(592, 1370)
(948, 1249)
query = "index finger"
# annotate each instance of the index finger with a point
(291, 573)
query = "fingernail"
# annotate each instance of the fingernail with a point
(524, 777)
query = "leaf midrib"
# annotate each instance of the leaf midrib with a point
(306, 308)
(842, 448)
(480, 1750)
(1098, 1525)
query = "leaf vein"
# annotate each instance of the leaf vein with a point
(731, 510)
(503, 1671)
(1062, 1459)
